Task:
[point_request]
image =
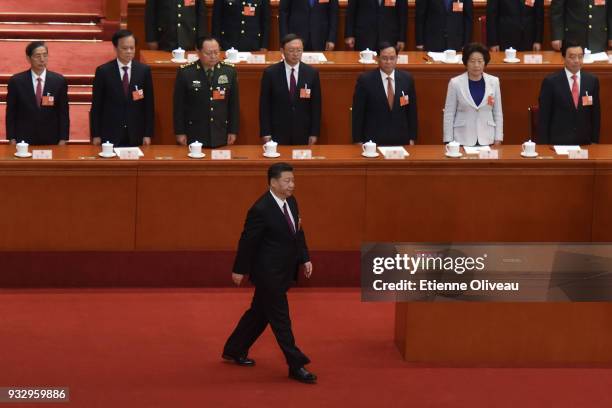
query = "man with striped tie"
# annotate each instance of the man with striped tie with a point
(384, 103)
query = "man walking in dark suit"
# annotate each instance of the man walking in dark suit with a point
(585, 22)
(443, 24)
(515, 23)
(290, 98)
(170, 24)
(384, 104)
(243, 25)
(122, 107)
(315, 21)
(37, 102)
(271, 249)
(372, 22)
(569, 103)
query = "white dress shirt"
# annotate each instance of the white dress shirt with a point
(43, 78)
(384, 81)
(295, 74)
(570, 81)
(281, 204)
(129, 71)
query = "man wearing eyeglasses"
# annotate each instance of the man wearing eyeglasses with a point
(206, 105)
(290, 98)
(37, 102)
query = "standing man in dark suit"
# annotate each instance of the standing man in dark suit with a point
(290, 98)
(37, 102)
(384, 104)
(372, 22)
(443, 24)
(585, 22)
(206, 105)
(515, 23)
(569, 103)
(122, 107)
(243, 25)
(170, 24)
(315, 21)
(271, 249)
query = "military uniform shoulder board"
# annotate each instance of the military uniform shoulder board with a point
(188, 65)
(229, 64)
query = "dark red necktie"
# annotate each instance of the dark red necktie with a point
(38, 91)
(288, 218)
(575, 91)
(126, 81)
(292, 84)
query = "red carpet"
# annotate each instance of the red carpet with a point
(67, 58)
(160, 348)
(51, 6)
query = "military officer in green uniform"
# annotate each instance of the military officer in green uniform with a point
(206, 106)
(586, 22)
(170, 24)
(242, 24)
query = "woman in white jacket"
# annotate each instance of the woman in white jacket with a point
(473, 110)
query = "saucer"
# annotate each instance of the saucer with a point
(179, 61)
(512, 60)
(370, 155)
(590, 61)
(196, 156)
(535, 154)
(362, 61)
(459, 154)
(101, 154)
(232, 62)
(28, 154)
(271, 155)
(456, 61)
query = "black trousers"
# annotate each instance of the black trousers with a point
(266, 307)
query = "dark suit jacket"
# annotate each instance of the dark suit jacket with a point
(510, 23)
(315, 25)
(37, 125)
(289, 121)
(243, 32)
(559, 121)
(581, 21)
(373, 120)
(268, 251)
(112, 111)
(439, 28)
(372, 24)
(172, 24)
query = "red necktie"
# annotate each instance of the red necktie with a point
(288, 218)
(575, 91)
(126, 81)
(390, 94)
(38, 91)
(292, 84)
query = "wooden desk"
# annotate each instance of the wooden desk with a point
(520, 88)
(169, 202)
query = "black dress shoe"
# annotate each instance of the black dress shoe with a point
(242, 361)
(302, 375)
